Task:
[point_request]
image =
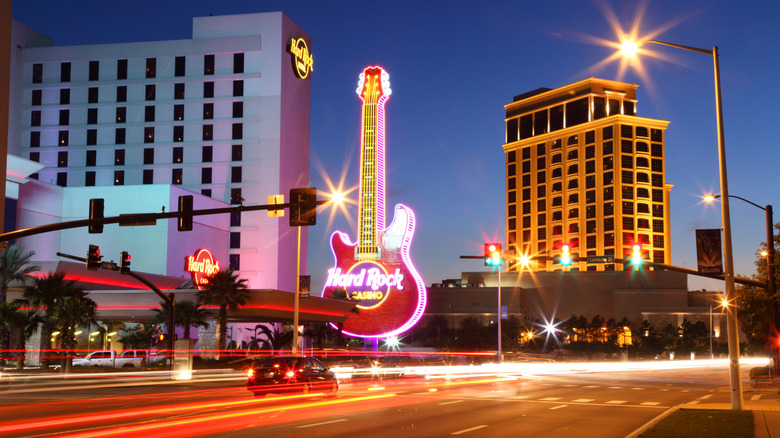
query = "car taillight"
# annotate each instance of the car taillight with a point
(250, 373)
(290, 374)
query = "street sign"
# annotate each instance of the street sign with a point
(601, 259)
(504, 312)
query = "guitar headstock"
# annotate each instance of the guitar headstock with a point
(373, 83)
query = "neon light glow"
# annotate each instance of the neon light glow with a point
(201, 266)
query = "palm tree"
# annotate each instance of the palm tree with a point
(14, 266)
(7, 315)
(73, 310)
(45, 294)
(23, 324)
(227, 291)
(188, 314)
(275, 339)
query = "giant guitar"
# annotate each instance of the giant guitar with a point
(376, 269)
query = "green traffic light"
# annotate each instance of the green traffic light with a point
(565, 257)
(636, 256)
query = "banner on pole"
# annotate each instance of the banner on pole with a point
(709, 255)
(304, 286)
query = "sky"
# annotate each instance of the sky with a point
(453, 66)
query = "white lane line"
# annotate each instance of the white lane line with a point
(756, 397)
(664, 389)
(650, 403)
(582, 400)
(558, 407)
(614, 387)
(705, 397)
(637, 389)
(469, 429)
(520, 397)
(686, 390)
(321, 424)
(591, 386)
(693, 402)
(451, 402)
(616, 402)
(568, 386)
(549, 399)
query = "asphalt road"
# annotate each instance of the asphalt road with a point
(569, 404)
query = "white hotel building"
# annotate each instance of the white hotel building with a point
(222, 114)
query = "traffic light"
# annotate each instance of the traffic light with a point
(493, 254)
(125, 262)
(185, 213)
(95, 212)
(93, 257)
(162, 337)
(636, 255)
(303, 207)
(565, 255)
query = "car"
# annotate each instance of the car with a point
(280, 374)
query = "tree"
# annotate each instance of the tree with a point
(275, 339)
(73, 310)
(188, 314)
(472, 335)
(14, 266)
(140, 337)
(227, 291)
(45, 294)
(23, 324)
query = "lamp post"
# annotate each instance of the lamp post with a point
(770, 275)
(631, 48)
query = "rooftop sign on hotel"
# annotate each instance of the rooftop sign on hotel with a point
(202, 266)
(302, 61)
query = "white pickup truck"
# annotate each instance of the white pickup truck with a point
(149, 358)
(108, 358)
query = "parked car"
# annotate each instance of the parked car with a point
(150, 359)
(290, 374)
(108, 358)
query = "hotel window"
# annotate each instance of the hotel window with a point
(94, 70)
(237, 153)
(511, 183)
(149, 113)
(573, 184)
(64, 117)
(151, 91)
(510, 169)
(238, 63)
(62, 159)
(63, 138)
(658, 165)
(526, 166)
(149, 134)
(35, 118)
(608, 163)
(121, 69)
(151, 67)
(91, 158)
(642, 193)
(35, 139)
(556, 173)
(609, 209)
(119, 177)
(627, 177)
(238, 109)
(208, 89)
(92, 95)
(207, 155)
(556, 188)
(208, 65)
(511, 196)
(234, 261)
(37, 96)
(573, 199)
(119, 136)
(541, 163)
(590, 152)
(178, 91)
(526, 180)
(541, 177)
(627, 161)
(540, 149)
(121, 114)
(179, 68)
(148, 155)
(527, 207)
(176, 176)
(526, 153)
(64, 96)
(91, 137)
(511, 210)
(590, 212)
(628, 223)
(658, 226)
(65, 72)
(642, 147)
(628, 208)
(643, 223)
(121, 93)
(62, 179)
(574, 213)
(609, 193)
(541, 219)
(541, 205)
(37, 74)
(609, 240)
(658, 195)
(590, 196)
(656, 150)
(235, 196)
(525, 126)
(92, 116)
(609, 224)
(178, 112)
(590, 241)
(526, 221)
(626, 131)
(572, 155)
(572, 170)
(205, 192)
(148, 176)
(238, 131)
(627, 192)
(642, 162)
(208, 111)
(238, 88)
(235, 218)
(642, 208)
(627, 147)
(178, 134)
(590, 226)
(642, 177)
(557, 201)
(555, 159)
(541, 233)
(557, 230)
(178, 155)
(89, 178)
(205, 175)
(119, 157)
(208, 132)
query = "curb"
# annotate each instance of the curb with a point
(653, 422)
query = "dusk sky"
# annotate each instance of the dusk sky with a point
(453, 66)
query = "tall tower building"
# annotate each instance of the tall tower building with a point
(583, 170)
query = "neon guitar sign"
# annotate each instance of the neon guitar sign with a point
(376, 269)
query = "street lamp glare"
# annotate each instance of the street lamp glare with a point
(629, 48)
(337, 198)
(710, 197)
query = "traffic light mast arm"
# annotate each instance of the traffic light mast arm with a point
(138, 218)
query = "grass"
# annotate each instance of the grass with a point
(707, 423)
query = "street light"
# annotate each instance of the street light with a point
(769, 253)
(630, 48)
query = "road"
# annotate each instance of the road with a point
(560, 404)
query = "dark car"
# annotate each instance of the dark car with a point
(290, 374)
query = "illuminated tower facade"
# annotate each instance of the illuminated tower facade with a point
(583, 170)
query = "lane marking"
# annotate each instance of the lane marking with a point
(637, 389)
(614, 387)
(569, 386)
(549, 399)
(616, 402)
(693, 402)
(705, 397)
(451, 402)
(686, 390)
(591, 386)
(664, 389)
(582, 400)
(558, 407)
(321, 424)
(756, 397)
(469, 430)
(520, 397)
(650, 403)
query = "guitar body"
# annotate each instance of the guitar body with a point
(391, 292)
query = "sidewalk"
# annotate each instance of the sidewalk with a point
(766, 414)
